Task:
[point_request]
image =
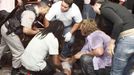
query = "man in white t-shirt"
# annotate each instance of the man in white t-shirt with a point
(44, 45)
(67, 12)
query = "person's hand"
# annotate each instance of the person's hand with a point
(111, 48)
(68, 36)
(36, 29)
(20, 3)
(50, 3)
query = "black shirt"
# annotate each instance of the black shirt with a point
(119, 16)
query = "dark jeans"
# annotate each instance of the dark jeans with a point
(88, 69)
(66, 51)
(105, 71)
(87, 65)
(88, 12)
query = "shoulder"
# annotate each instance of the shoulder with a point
(74, 6)
(51, 36)
(55, 7)
(28, 12)
(57, 4)
(99, 33)
(52, 41)
(96, 34)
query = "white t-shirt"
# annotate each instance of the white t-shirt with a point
(27, 18)
(7, 5)
(37, 49)
(66, 17)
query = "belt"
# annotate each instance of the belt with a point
(128, 32)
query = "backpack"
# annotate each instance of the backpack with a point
(3, 15)
(14, 19)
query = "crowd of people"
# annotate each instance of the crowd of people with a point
(50, 50)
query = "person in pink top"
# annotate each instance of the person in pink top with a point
(94, 56)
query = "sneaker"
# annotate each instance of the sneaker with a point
(15, 71)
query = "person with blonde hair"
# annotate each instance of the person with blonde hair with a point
(94, 57)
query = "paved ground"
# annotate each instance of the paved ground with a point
(5, 71)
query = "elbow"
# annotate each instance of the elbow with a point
(25, 30)
(119, 23)
(99, 53)
(57, 63)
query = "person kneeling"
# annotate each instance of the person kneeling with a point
(44, 44)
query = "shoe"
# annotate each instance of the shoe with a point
(15, 71)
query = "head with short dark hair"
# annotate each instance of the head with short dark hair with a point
(69, 2)
(65, 5)
(97, 5)
(87, 26)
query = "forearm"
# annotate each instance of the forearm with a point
(78, 56)
(57, 63)
(46, 23)
(20, 2)
(58, 68)
(74, 28)
(30, 31)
